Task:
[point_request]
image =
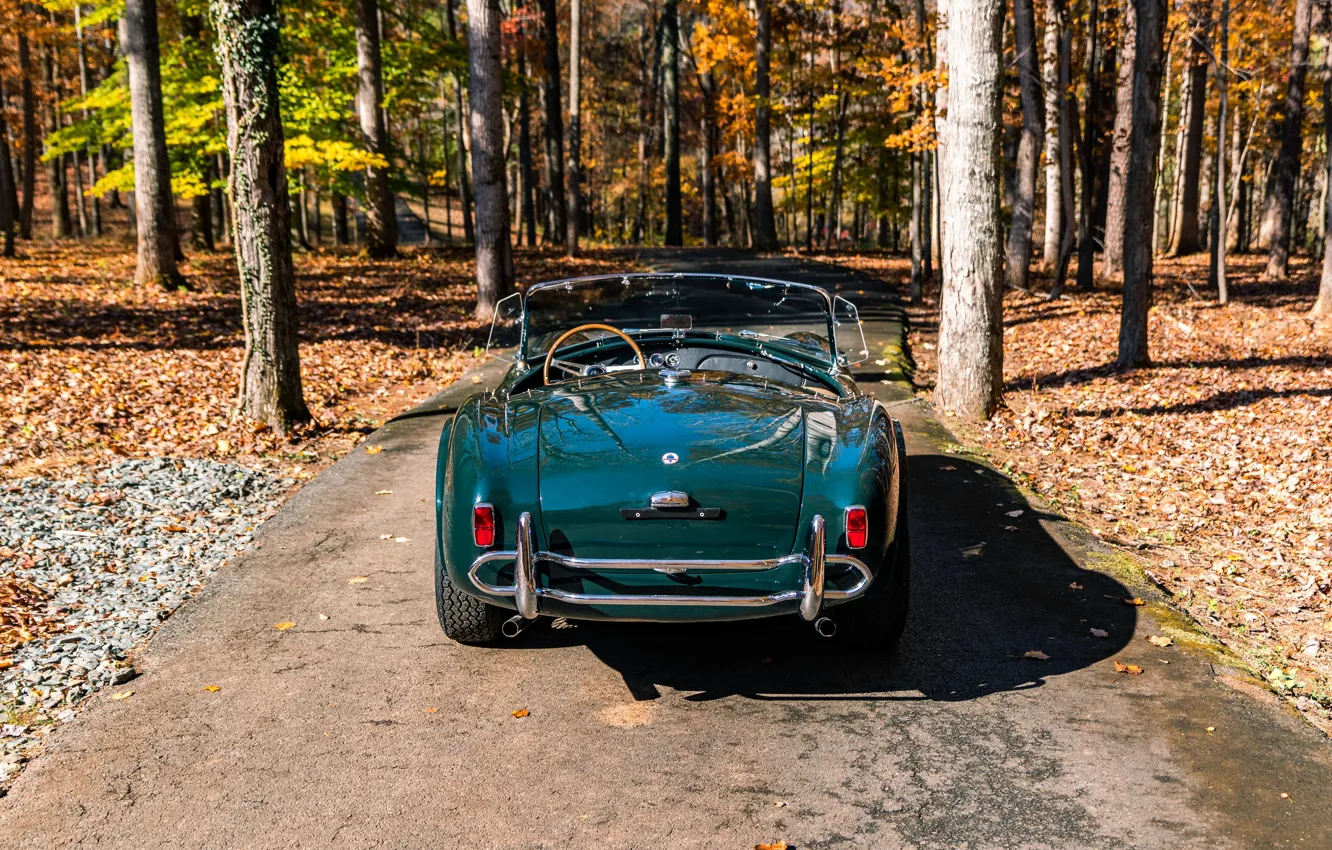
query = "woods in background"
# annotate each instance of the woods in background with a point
(1053, 135)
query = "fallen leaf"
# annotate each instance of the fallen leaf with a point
(476, 379)
(223, 446)
(1213, 729)
(402, 540)
(67, 578)
(284, 625)
(1010, 528)
(432, 710)
(358, 580)
(949, 468)
(1131, 669)
(1037, 654)
(1157, 640)
(1100, 633)
(1014, 513)
(383, 492)
(1134, 601)
(123, 695)
(779, 803)
(520, 712)
(973, 551)
(323, 616)
(776, 845)
(6, 663)
(1075, 586)
(373, 450)
(386, 537)
(212, 688)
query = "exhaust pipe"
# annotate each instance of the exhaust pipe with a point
(825, 627)
(514, 626)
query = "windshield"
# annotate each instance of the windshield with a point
(790, 316)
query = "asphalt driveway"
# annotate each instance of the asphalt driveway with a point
(363, 726)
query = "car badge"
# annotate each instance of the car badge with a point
(670, 458)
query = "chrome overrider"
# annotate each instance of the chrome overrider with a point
(527, 593)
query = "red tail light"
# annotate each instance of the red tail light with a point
(857, 527)
(483, 525)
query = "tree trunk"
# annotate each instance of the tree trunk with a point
(1286, 173)
(526, 176)
(341, 233)
(460, 119)
(9, 205)
(494, 262)
(155, 217)
(1112, 258)
(1091, 133)
(247, 48)
(670, 44)
(381, 226)
(1323, 306)
(708, 156)
(1219, 208)
(202, 215)
(1146, 20)
(57, 174)
(93, 154)
(970, 380)
(556, 226)
(30, 138)
(1189, 159)
(1055, 23)
(572, 220)
(646, 97)
(765, 236)
(1067, 121)
(1018, 254)
(1163, 205)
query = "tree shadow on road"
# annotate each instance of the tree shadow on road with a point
(987, 588)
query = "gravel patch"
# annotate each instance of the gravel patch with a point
(110, 557)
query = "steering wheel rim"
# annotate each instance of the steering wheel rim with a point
(550, 354)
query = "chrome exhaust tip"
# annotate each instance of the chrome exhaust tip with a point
(514, 626)
(825, 627)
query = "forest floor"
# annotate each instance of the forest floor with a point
(1213, 464)
(95, 371)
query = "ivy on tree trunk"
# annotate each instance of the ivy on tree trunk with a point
(247, 48)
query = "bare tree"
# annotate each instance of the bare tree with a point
(1184, 238)
(381, 223)
(1055, 23)
(8, 194)
(1112, 257)
(555, 208)
(155, 220)
(1286, 172)
(1090, 135)
(575, 127)
(1017, 262)
(970, 311)
(494, 261)
(1323, 306)
(1219, 228)
(247, 48)
(30, 139)
(765, 231)
(527, 177)
(670, 43)
(1146, 19)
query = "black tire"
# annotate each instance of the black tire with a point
(464, 618)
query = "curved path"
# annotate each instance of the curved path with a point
(363, 726)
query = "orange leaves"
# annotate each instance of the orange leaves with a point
(284, 625)
(1131, 669)
(1036, 654)
(520, 713)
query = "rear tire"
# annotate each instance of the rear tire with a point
(464, 618)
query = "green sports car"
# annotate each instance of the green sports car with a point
(674, 447)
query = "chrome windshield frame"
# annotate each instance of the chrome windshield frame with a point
(685, 276)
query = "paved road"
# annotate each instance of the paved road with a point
(369, 728)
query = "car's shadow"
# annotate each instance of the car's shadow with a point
(987, 589)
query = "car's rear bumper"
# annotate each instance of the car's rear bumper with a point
(532, 597)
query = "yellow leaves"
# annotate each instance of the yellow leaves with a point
(336, 155)
(224, 446)
(6, 663)
(212, 689)
(284, 625)
(1157, 640)
(1134, 601)
(1130, 669)
(520, 713)
(431, 710)
(122, 695)
(383, 492)
(1036, 654)
(358, 580)
(373, 450)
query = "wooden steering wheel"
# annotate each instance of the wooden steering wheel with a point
(577, 368)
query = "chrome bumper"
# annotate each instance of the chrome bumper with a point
(527, 593)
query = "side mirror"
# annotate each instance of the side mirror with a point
(505, 327)
(850, 334)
